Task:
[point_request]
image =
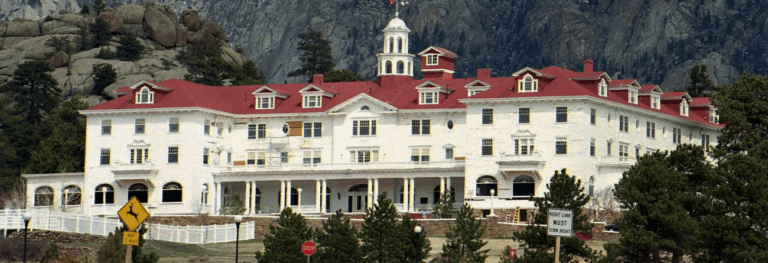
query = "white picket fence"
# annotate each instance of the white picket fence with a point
(72, 223)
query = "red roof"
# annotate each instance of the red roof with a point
(397, 91)
(673, 95)
(648, 87)
(617, 82)
(701, 101)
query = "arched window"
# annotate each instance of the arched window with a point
(484, 185)
(400, 67)
(399, 45)
(391, 45)
(523, 186)
(327, 199)
(171, 192)
(436, 195)
(603, 88)
(44, 196)
(71, 195)
(592, 186)
(388, 67)
(359, 188)
(145, 96)
(105, 194)
(365, 108)
(204, 195)
(257, 203)
(140, 191)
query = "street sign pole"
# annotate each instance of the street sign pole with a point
(559, 224)
(557, 249)
(128, 252)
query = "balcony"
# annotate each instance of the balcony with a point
(128, 173)
(372, 166)
(520, 162)
(616, 161)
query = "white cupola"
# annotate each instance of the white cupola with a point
(394, 59)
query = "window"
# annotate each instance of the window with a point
(684, 108)
(592, 147)
(204, 195)
(524, 115)
(205, 155)
(257, 158)
(528, 84)
(608, 147)
(312, 101)
(364, 156)
(713, 117)
(311, 157)
(650, 130)
(283, 157)
(364, 127)
(173, 154)
(207, 127)
(139, 126)
(145, 96)
(649, 151)
(592, 116)
(420, 154)
(623, 150)
(561, 146)
(623, 123)
(140, 191)
(71, 195)
(219, 130)
(487, 116)
(633, 97)
(487, 147)
(705, 142)
(286, 128)
(265, 102)
(677, 136)
(365, 108)
(562, 114)
(637, 152)
(449, 124)
(431, 59)
(257, 205)
(173, 125)
(105, 156)
(523, 186)
(436, 194)
(313, 129)
(524, 146)
(475, 92)
(655, 102)
(428, 98)
(448, 153)
(485, 184)
(106, 127)
(251, 131)
(172, 192)
(591, 186)
(603, 88)
(262, 131)
(139, 155)
(420, 127)
(44, 196)
(105, 194)
(229, 157)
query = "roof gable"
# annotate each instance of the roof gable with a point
(439, 51)
(264, 90)
(477, 84)
(362, 97)
(532, 70)
(315, 89)
(429, 85)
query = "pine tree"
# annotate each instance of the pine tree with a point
(130, 49)
(82, 38)
(315, 55)
(283, 243)
(100, 35)
(381, 237)
(342, 75)
(416, 246)
(444, 207)
(113, 250)
(247, 74)
(33, 90)
(565, 192)
(338, 243)
(212, 71)
(464, 239)
(700, 84)
(103, 75)
(63, 150)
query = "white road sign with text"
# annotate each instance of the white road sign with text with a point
(559, 222)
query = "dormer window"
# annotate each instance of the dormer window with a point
(684, 108)
(603, 88)
(265, 102)
(145, 96)
(312, 101)
(655, 102)
(528, 84)
(428, 98)
(431, 59)
(633, 96)
(475, 87)
(713, 117)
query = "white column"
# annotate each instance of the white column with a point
(253, 198)
(317, 196)
(376, 191)
(247, 197)
(448, 184)
(282, 198)
(288, 193)
(217, 200)
(412, 195)
(323, 193)
(442, 186)
(406, 193)
(370, 193)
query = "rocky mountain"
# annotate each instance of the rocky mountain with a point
(656, 41)
(163, 33)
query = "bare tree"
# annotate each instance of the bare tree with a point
(14, 198)
(602, 205)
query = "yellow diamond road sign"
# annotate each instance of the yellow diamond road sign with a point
(133, 214)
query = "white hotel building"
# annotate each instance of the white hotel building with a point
(185, 148)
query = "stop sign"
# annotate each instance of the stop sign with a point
(308, 248)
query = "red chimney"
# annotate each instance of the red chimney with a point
(588, 65)
(483, 73)
(317, 79)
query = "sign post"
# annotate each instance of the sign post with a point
(308, 248)
(133, 215)
(559, 224)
